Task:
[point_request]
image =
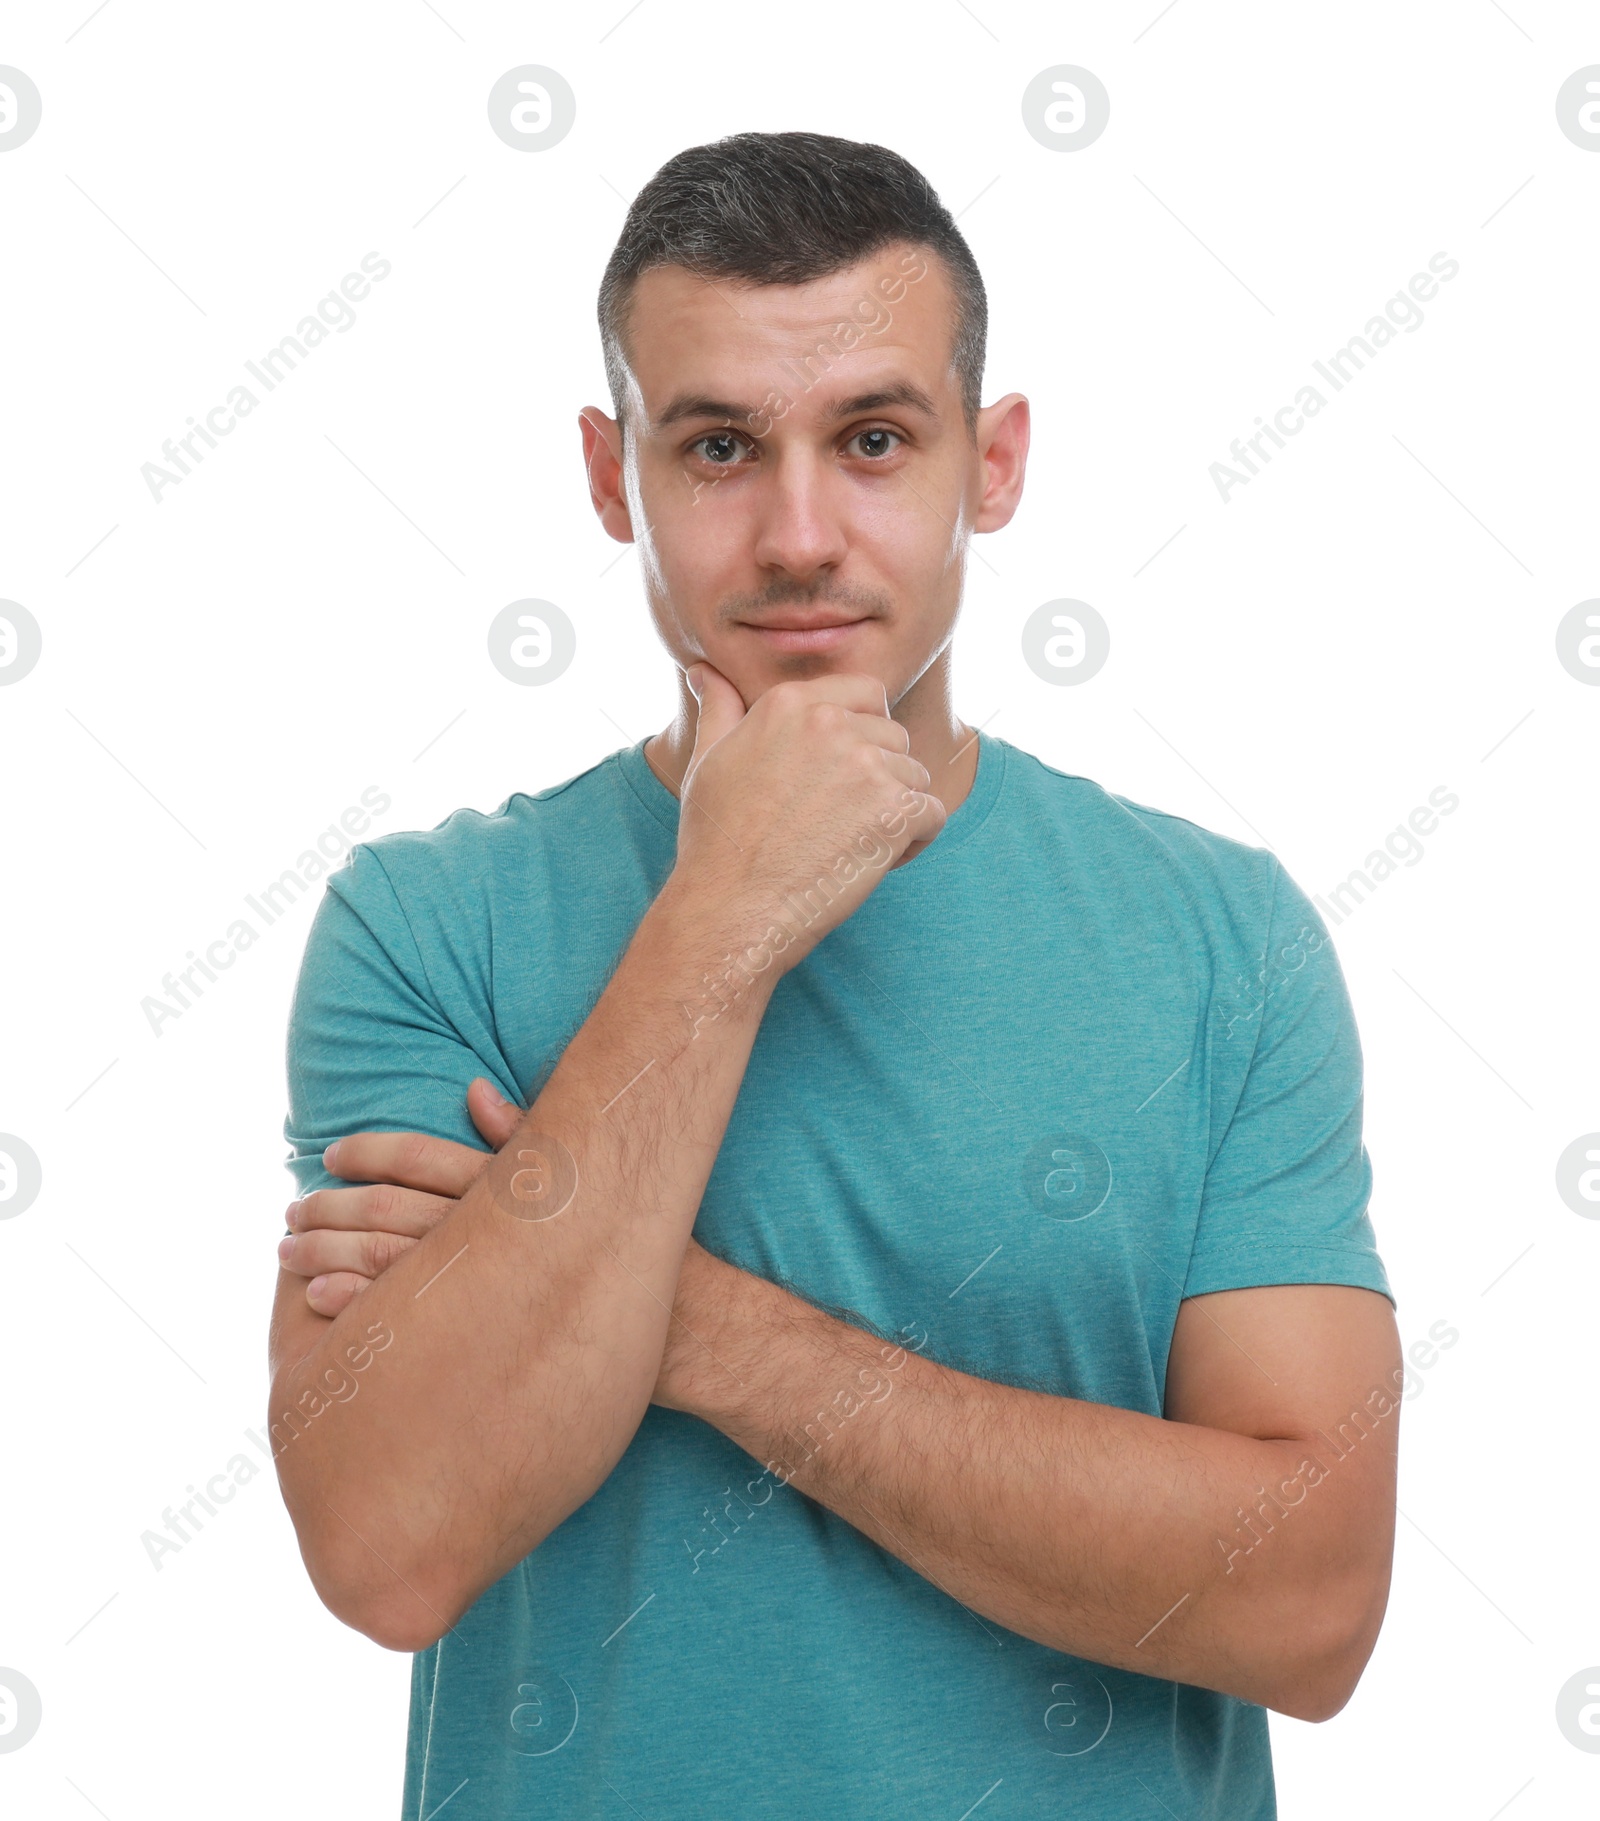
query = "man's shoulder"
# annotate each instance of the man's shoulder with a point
(1121, 831)
(461, 859)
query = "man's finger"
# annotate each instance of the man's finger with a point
(331, 1295)
(374, 1207)
(721, 709)
(496, 1118)
(323, 1251)
(410, 1160)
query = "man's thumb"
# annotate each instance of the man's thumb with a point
(721, 707)
(495, 1117)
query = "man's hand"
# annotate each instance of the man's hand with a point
(344, 1238)
(813, 786)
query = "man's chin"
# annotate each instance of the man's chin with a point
(752, 684)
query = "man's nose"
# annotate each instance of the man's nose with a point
(802, 515)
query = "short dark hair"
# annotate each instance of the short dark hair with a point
(784, 208)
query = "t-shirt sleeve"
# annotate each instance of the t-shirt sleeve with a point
(369, 1048)
(1285, 1196)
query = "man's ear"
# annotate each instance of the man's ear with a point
(1002, 438)
(602, 459)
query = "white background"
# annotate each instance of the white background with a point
(223, 673)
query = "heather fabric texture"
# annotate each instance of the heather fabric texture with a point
(1077, 1060)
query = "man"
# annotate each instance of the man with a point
(923, 1345)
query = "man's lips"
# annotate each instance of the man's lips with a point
(806, 631)
(804, 622)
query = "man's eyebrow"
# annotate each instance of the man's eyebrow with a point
(695, 404)
(903, 393)
(692, 405)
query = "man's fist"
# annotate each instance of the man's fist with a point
(795, 809)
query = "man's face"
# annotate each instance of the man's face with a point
(797, 471)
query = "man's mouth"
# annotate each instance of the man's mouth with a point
(797, 631)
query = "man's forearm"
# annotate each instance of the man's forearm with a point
(526, 1338)
(1102, 1532)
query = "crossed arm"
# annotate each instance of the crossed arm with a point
(1242, 1542)
(1236, 1544)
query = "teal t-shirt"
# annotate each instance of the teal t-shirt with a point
(1077, 1060)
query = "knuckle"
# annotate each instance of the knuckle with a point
(825, 717)
(382, 1249)
(380, 1202)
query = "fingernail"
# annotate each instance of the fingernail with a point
(316, 1284)
(692, 678)
(494, 1093)
(292, 1216)
(330, 1156)
(286, 1248)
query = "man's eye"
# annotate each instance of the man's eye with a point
(874, 444)
(720, 448)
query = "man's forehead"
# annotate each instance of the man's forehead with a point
(869, 336)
